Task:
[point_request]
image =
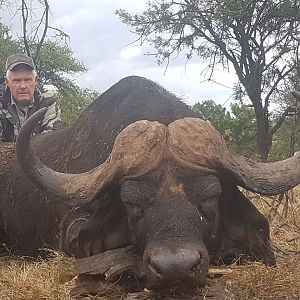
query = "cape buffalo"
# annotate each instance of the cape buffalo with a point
(139, 167)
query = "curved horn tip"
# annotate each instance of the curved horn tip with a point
(26, 130)
(33, 120)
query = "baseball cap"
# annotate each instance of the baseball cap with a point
(18, 59)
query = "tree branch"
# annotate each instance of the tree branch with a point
(24, 22)
(281, 76)
(41, 42)
(280, 121)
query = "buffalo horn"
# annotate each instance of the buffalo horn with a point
(264, 178)
(202, 146)
(137, 150)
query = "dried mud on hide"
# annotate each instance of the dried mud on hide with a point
(24, 279)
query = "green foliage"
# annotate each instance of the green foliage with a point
(258, 38)
(55, 62)
(243, 130)
(220, 31)
(215, 114)
(238, 126)
(286, 140)
(55, 66)
(73, 102)
(7, 46)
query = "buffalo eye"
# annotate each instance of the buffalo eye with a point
(208, 207)
(204, 192)
(134, 212)
(136, 195)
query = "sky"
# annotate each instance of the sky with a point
(105, 45)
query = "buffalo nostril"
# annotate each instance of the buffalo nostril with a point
(168, 263)
(168, 266)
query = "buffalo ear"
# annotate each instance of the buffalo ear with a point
(245, 231)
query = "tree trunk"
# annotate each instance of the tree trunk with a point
(264, 139)
(264, 142)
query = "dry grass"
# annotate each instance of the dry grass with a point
(283, 213)
(35, 280)
(21, 279)
(258, 282)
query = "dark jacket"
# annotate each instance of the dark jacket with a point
(9, 120)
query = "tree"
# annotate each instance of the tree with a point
(36, 27)
(243, 129)
(51, 53)
(52, 56)
(215, 114)
(237, 126)
(7, 46)
(73, 102)
(56, 65)
(287, 139)
(258, 38)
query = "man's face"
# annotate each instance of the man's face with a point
(22, 83)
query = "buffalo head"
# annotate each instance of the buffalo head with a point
(172, 192)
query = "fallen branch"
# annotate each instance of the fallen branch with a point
(111, 263)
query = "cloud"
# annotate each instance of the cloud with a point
(105, 45)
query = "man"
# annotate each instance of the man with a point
(20, 97)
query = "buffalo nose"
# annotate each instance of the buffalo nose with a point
(174, 264)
